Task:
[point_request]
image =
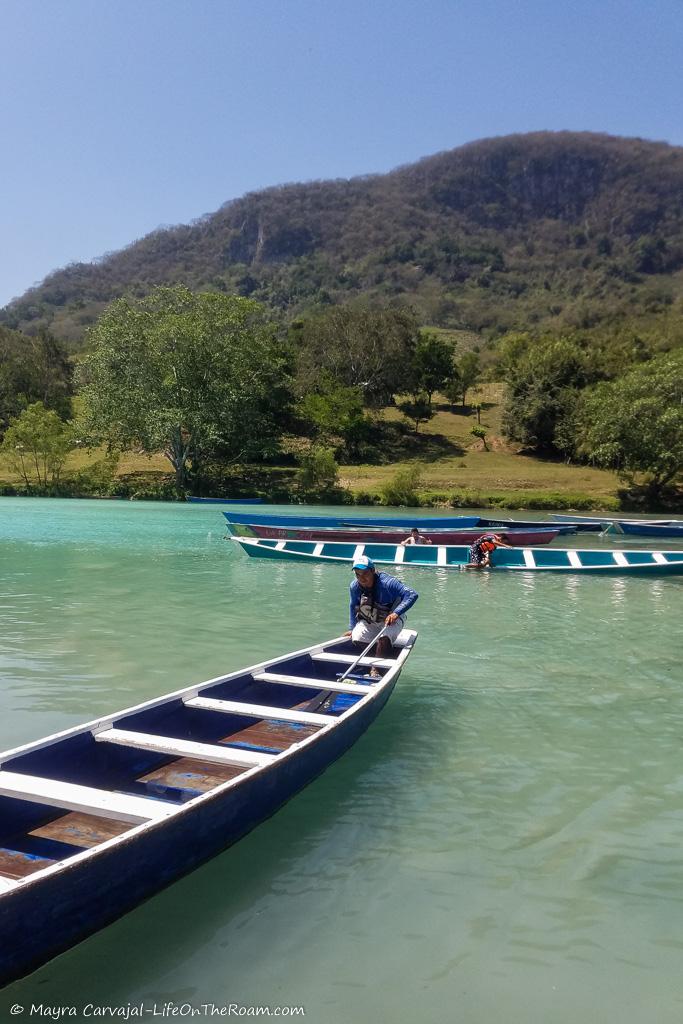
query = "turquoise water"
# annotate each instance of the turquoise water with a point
(505, 843)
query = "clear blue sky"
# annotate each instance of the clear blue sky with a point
(121, 115)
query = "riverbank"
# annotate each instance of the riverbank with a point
(456, 470)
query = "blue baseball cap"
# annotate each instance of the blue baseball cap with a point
(363, 562)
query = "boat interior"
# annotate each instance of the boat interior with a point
(60, 798)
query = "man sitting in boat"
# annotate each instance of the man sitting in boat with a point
(378, 604)
(415, 538)
(482, 549)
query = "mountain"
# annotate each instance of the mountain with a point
(558, 230)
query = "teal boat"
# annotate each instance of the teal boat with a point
(443, 556)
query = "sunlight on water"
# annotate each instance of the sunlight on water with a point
(505, 843)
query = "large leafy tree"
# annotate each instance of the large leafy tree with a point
(635, 423)
(544, 379)
(368, 349)
(189, 375)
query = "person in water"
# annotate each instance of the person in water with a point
(377, 601)
(415, 538)
(482, 549)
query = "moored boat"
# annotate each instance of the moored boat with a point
(518, 538)
(440, 556)
(634, 528)
(224, 501)
(97, 818)
(337, 522)
(304, 522)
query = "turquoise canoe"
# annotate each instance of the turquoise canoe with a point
(444, 556)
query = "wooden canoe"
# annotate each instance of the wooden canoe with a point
(97, 818)
(455, 557)
(518, 538)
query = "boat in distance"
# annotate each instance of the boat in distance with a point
(518, 538)
(444, 556)
(97, 818)
(639, 529)
(610, 520)
(397, 522)
(224, 501)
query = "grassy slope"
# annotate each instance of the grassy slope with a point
(449, 456)
(463, 463)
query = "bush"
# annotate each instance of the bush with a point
(402, 488)
(318, 477)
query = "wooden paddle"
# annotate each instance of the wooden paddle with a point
(363, 653)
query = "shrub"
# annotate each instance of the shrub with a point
(402, 488)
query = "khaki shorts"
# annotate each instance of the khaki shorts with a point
(364, 632)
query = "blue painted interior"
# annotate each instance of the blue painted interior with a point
(593, 558)
(639, 557)
(514, 556)
(550, 557)
(424, 553)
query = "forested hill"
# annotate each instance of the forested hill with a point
(558, 230)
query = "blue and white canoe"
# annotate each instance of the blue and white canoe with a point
(443, 556)
(335, 522)
(95, 819)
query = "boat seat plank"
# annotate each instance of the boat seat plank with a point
(72, 797)
(79, 829)
(574, 559)
(211, 752)
(349, 659)
(659, 558)
(271, 735)
(14, 864)
(315, 684)
(620, 558)
(188, 773)
(234, 707)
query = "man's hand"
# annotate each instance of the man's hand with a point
(390, 619)
(348, 632)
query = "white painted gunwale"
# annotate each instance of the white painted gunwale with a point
(610, 565)
(10, 886)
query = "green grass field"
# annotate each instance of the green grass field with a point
(449, 456)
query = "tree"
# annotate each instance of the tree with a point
(417, 409)
(469, 373)
(543, 387)
(368, 349)
(333, 410)
(480, 432)
(634, 425)
(36, 445)
(432, 366)
(32, 369)
(190, 375)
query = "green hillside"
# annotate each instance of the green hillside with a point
(550, 231)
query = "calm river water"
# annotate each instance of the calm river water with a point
(504, 844)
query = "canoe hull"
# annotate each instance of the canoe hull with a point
(518, 538)
(594, 561)
(52, 910)
(671, 531)
(224, 501)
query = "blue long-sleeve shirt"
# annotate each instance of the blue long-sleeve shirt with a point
(387, 591)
